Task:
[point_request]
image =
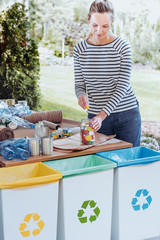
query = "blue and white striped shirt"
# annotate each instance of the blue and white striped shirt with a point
(103, 73)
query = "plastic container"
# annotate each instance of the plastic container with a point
(22, 153)
(87, 132)
(135, 193)
(12, 125)
(22, 102)
(28, 202)
(85, 197)
(8, 153)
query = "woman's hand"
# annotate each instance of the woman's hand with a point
(97, 120)
(83, 102)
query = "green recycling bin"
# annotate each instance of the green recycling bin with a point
(29, 202)
(85, 197)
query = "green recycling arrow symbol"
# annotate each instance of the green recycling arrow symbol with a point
(81, 213)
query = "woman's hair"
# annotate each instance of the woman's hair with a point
(101, 6)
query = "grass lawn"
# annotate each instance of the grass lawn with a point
(57, 85)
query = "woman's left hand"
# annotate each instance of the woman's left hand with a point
(97, 120)
(97, 123)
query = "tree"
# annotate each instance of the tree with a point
(19, 58)
(127, 30)
(118, 30)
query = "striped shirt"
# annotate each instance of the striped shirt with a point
(102, 72)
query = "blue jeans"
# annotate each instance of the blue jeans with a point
(126, 125)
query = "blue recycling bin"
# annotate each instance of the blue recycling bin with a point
(136, 193)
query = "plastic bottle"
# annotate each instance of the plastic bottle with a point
(3, 104)
(12, 125)
(8, 115)
(22, 122)
(22, 153)
(22, 102)
(8, 153)
(19, 110)
(20, 143)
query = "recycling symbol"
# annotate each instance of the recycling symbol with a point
(81, 213)
(142, 200)
(24, 229)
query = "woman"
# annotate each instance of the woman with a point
(102, 66)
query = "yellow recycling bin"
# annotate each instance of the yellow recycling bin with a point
(28, 202)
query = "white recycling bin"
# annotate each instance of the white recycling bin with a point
(136, 193)
(85, 197)
(29, 202)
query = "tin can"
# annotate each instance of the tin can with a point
(47, 145)
(11, 102)
(34, 146)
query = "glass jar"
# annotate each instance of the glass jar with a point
(87, 132)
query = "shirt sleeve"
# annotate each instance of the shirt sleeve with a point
(123, 80)
(80, 87)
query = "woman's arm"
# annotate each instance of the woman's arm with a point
(80, 87)
(123, 80)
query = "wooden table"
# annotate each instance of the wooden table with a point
(59, 154)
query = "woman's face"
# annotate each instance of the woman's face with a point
(100, 24)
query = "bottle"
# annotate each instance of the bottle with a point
(87, 132)
(12, 125)
(21, 143)
(8, 153)
(22, 102)
(22, 122)
(22, 153)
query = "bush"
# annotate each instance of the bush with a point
(150, 142)
(19, 68)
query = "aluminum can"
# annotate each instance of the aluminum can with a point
(34, 146)
(47, 145)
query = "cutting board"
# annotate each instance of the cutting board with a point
(73, 143)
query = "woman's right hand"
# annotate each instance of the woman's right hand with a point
(83, 102)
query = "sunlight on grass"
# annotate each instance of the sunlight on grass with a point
(69, 113)
(57, 85)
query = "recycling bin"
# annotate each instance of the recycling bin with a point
(85, 197)
(29, 202)
(136, 193)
